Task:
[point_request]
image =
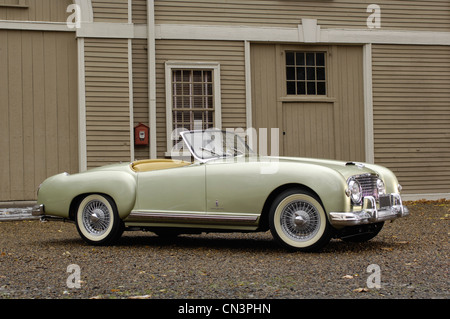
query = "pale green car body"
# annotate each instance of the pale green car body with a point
(240, 186)
(224, 194)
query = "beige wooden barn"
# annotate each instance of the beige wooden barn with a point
(343, 79)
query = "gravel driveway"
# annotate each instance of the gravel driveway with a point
(409, 257)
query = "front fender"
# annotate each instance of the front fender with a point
(57, 192)
(327, 183)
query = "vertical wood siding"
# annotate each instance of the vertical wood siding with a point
(411, 94)
(107, 101)
(347, 81)
(38, 110)
(110, 10)
(310, 130)
(397, 14)
(37, 10)
(230, 55)
(264, 70)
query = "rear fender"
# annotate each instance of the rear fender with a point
(58, 192)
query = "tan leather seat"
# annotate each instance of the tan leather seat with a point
(156, 164)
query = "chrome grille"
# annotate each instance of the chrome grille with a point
(368, 184)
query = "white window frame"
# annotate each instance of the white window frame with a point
(169, 66)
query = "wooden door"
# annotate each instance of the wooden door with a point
(308, 130)
(38, 110)
(330, 125)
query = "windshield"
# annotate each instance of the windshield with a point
(213, 144)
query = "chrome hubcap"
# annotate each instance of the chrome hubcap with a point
(96, 217)
(300, 220)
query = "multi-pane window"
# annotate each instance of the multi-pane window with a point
(192, 99)
(305, 73)
(193, 103)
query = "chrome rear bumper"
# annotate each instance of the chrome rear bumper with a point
(372, 214)
(38, 210)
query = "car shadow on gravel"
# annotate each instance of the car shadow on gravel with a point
(193, 242)
(339, 246)
(235, 242)
(246, 243)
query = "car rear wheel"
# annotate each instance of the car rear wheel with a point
(98, 221)
(299, 222)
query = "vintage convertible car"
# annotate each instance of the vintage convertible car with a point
(226, 188)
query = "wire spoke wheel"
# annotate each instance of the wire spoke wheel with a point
(98, 221)
(96, 217)
(298, 221)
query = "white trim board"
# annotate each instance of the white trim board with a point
(149, 32)
(274, 34)
(237, 33)
(248, 86)
(368, 104)
(106, 30)
(34, 26)
(131, 97)
(82, 148)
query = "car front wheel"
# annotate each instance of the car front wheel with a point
(98, 221)
(299, 222)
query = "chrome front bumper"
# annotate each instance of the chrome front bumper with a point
(372, 214)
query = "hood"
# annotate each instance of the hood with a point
(346, 169)
(110, 167)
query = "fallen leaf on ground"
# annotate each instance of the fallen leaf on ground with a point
(140, 297)
(361, 290)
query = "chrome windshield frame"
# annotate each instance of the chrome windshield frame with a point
(202, 159)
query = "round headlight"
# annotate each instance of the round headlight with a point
(381, 188)
(355, 191)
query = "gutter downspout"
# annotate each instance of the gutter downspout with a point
(151, 51)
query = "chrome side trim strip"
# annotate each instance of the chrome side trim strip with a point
(193, 218)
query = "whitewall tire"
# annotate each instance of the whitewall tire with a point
(298, 221)
(98, 221)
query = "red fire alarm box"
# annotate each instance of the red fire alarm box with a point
(141, 134)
